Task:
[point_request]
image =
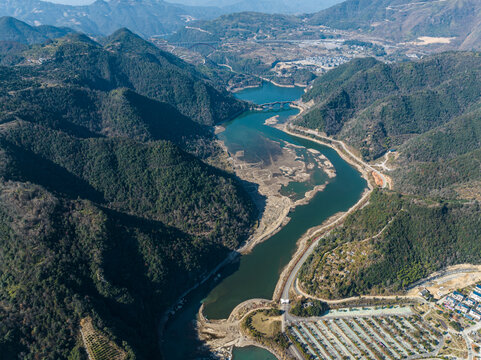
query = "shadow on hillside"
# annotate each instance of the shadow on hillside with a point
(28, 166)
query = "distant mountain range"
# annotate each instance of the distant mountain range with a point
(12, 29)
(399, 20)
(265, 6)
(144, 17)
(403, 20)
(456, 22)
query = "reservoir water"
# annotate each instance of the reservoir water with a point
(255, 275)
(252, 353)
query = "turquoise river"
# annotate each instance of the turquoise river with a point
(255, 275)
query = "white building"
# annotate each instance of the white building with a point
(475, 315)
(463, 308)
(476, 296)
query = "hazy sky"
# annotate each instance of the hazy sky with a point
(312, 5)
(72, 2)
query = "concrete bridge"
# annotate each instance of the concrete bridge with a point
(272, 105)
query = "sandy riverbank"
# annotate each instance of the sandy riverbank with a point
(284, 85)
(274, 217)
(240, 88)
(269, 180)
(235, 89)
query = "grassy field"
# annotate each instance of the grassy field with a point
(267, 325)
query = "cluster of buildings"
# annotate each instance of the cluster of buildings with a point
(328, 61)
(468, 306)
(38, 61)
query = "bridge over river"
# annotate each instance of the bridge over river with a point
(274, 105)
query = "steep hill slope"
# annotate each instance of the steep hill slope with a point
(103, 214)
(265, 6)
(375, 106)
(128, 61)
(236, 27)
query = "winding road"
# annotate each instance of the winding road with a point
(364, 168)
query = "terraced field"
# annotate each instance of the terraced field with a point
(376, 338)
(98, 346)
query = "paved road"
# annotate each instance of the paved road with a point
(440, 274)
(251, 41)
(468, 340)
(293, 274)
(293, 350)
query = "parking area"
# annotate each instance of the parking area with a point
(382, 337)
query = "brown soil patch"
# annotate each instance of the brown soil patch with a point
(443, 285)
(377, 178)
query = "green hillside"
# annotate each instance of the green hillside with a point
(420, 237)
(375, 106)
(429, 112)
(116, 113)
(237, 26)
(106, 210)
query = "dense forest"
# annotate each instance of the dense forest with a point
(107, 210)
(376, 107)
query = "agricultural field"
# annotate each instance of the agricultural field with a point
(376, 338)
(98, 346)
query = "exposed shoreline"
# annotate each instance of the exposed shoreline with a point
(276, 200)
(255, 239)
(303, 246)
(282, 220)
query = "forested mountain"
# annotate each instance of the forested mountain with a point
(376, 106)
(404, 20)
(144, 17)
(12, 29)
(420, 236)
(104, 216)
(126, 60)
(428, 112)
(237, 26)
(278, 6)
(264, 6)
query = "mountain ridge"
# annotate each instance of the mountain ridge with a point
(15, 30)
(102, 18)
